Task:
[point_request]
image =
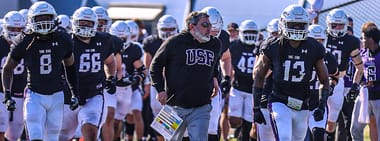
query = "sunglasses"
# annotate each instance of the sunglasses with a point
(206, 24)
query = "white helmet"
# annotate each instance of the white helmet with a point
(85, 14)
(1, 26)
(64, 21)
(120, 29)
(248, 32)
(215, 18)
(13, 19)
(24, 12)
(102, 14)
(273, 25)
(42, 27)
(134, 30)
(167, 26)
(294, 14)
(317, 32)
(336, 16)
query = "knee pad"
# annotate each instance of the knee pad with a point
(318, 134)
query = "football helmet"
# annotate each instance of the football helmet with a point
(13, 24)
(336, 16)
(121, 30)
(317, 32)
(294, 23)
(64, 21)
(102, 14)
(44, 26)
(216, 20)
(84, 14)
(1, 26)
(24, 12)
(248, 32)
(167, 26)
(273, 25)
(134, 30)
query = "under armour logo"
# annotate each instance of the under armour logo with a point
(98, 43)
(54, 44)
(340, 42)
(304, 51)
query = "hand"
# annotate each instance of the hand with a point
(258, 116)
(353, 93)
(10, 104)
(111, 85)
(162, 97)
(74, 103)
(318, 114)
(225, 85)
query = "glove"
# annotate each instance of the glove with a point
(225, 85)
(111, 85)
(258, 116)
(318, 114)
(9, 102)
(353, 93)
(74, 103)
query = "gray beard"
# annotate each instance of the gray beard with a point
(201, 37)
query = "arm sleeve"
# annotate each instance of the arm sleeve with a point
(158, 63)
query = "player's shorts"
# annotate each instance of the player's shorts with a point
(92, 111)
(265, 131)
(70, 118)
(241, 105)
(4, 115)
(137, 102)
(110, 99)
(16, 126)
(215, 113)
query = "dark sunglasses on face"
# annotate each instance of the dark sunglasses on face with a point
(206, 24)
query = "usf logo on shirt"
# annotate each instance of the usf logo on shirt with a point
(199, 56)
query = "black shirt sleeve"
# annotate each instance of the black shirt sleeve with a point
(158, 63)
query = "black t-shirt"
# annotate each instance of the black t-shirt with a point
(19, 73)
(243, 58)
(189, 68)
(43, 60)
(292, 67)
(129, 54)
(90, 63)
(341, 48)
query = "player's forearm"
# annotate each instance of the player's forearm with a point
(358, 74)
(226, 66)
(7, 76)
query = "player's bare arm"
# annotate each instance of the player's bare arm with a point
(322, 73)
(110, 66)
(9, 65)
(261, 70)
(357, 59)
(119, 71)
(225, 63)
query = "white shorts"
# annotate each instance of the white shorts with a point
(16, 126)
(136, 103)
(123, 101)
(110, 99)
(154, 103)
(92, 111)
(215, 113)
(241, 105)
(335, 101)
(265, 131)
(291, 125)
(43, 115)
(4, 115)
(319, 124)
(70, 120)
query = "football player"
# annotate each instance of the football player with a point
(64, 22)
(292, 56)
(317, 128)
(14, 24)
(167, 26)
(272, 27)
(43, 50)
(342, 46)
(96, 70)
(243, 58)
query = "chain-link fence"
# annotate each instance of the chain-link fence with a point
(361, 11)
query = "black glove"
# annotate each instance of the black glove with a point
(318, 114)
(111, 85)
(9, 102)
(258, 116)
(225, 84)
(74, 103)
(353, 93)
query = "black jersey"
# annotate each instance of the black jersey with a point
(341, 48)
(224, 38)
(243, 58)
(43, 60)
(90, 61)
(332, 68)
(292, 67)
(117, 44)
(129, 54)
(19, 73)
(189, 70)
(151, 44)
